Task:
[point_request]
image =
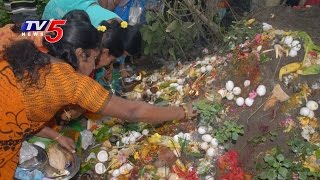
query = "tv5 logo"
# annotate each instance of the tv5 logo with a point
(47, 26)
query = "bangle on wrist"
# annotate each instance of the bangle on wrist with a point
(58, 137)
(185, 109)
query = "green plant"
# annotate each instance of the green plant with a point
(301, 147)
(276, 167)
(229, 131)
(166, 36)
(238, 33)
(272, 135)
(4, 16)
(209, 111)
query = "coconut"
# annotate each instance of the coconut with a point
(100, 168)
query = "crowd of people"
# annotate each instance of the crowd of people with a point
(38, 78)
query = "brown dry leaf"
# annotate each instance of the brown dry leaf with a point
(277, 95)
(56, 157)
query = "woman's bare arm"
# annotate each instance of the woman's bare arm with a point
(135, 111)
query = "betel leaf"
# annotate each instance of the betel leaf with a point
(283, 172)
(269, 159)
(280, 157)
(271, 174)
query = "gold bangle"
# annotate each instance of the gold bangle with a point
(185, 109)
(58, 137)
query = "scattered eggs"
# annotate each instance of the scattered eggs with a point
(203, 69)
(209, 68)
(304, 111)
(116, 173)
(246, 83)
(204, 145)
(214, 142)
(230, 96)
(240, 101)
(145, 132)
(312, 105)
(202, 130)
(288, 40)
(229, 85)
(261, 90)
(293, 53)
(249, 102)
(311, 114)
(206, 138)
(236, 91)
(211, 152)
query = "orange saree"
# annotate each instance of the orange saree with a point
(13, 122)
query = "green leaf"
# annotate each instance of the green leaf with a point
(188, 25)
(286, 163)
(280, 157)
(263, 175)
(172, 26)
(283, 172)
(271, 174)
(317, 154)
(276, 165)
(269, 159)
(235, 136)
(313, 69)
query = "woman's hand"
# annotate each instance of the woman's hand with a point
(190, 113)
(67, 143)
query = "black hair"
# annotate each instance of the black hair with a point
(76, 34)
(112, 38)
(132, 40)
(77, 15)
(26, 61)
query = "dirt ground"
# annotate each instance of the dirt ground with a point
(263, 122)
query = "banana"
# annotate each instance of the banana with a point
(289, 68)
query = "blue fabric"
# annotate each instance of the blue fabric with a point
(27, 175)
(121, 59)
(124, 11)
(56, 9)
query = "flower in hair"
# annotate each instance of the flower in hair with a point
(102, 28)
(124, 24)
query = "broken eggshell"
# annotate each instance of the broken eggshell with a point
(230, 96)
(202, 130)
(204, 145)
(288, 40)
(223, 92)
(211, 152)
(207, 138)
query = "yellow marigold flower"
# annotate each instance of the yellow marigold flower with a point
(124, 24)
(156, 138)
(102, 28)
(136, 156)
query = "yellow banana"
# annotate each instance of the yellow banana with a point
(289, 68)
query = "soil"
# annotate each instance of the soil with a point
(262, 122)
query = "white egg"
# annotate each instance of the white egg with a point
(202, 130)
(214, 142)
(158, 93)
(40, 144)
(288, 40)
(304, 111)
(100, 168)
(230, 96)
(311, 114)
(167, 78)
(246, 83)
(123, 169)
(102, 156)
(296, 47)
(209, 68)
(129, 166)
(236, 91)
(293, 53)
(213, 58)
(211, 152)
(206, 138)
(180, 81)
(204, 145)
(208, 177)
(248, 102)
(312, 105)
(261, 90)
(206, 59)
(116, 173)
(203, 69)
(240, 101)
(229, 85)
(145, 132)
(176, 138)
